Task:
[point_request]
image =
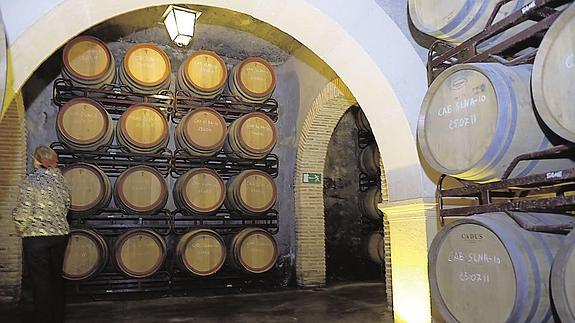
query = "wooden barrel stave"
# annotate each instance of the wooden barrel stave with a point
(203, 74)
(252, 136)
(251, 192)
(200, 191)
(369, 160)
(491, 255)
(143, 129)
(373, 247)
(456, 21)
(87, 61)
(253, 250)
(146, 69)
(202, 252)
(140, 190)
(552, 75)
(368, 204)
(201, 132)
(83, 124)
(139, 253)
(563, 280)
(90, 188)
(252, 80)
(487, 107)
(86, 255)
(361, 121)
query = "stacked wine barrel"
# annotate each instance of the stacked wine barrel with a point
(475, 119)
(141, 191)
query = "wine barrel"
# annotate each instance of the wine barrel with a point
(141, 190)
(251, 136)
(251, 192)
(201, 132)
(203, 74)
(146, 69)
(86, 255)
(139, 253)
(476, 118)
(373, 247)
(252, 80)
(253, 250)
(361, 121)
(368, 204)
(458, 20)
(88, 62)
(143, 129)
(90, 188)
(563, 280)
(83, 124)
(369, 162)
(200, 190)
(202, 252)
(553, 71)
(477, 257)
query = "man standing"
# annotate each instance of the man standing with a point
(40, 218)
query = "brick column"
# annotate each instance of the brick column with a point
(326, 111)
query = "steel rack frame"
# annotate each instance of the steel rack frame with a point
(549, 192)
(113, 222)
(230, 107)
(226, 166)
(115, 98)
(520, 48)
(227, 279)
(113, 285)
(224, 222)
(114, 159)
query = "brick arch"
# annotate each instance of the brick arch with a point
(326, 111)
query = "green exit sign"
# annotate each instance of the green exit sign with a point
(312, 178)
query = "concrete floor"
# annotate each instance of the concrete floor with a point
(354, 302)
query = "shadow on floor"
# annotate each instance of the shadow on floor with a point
(357, 302)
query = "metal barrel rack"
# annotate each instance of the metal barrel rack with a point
(110, 222)
(521, 48)
(549, 192)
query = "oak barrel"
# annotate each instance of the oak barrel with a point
(200, 190)
(202, 252)
(368, 203)
(361, 121)
(139, 253)
(553, 74)
(251, 192)
(563, 280)
(251, 136)
(143, 129)
(488, 261)
(458, 20)
(83, 124)
(252, 80)
(369, 160)
(141, 190)
(86, 255)
(90, 188)
(87, 61)
(373, 247)
(253, 250)
(146, 68)
(203, 74)
(201, 132)
(476, 118)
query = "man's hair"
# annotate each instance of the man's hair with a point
(45, 154)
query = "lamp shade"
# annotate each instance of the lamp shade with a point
(180, 23)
